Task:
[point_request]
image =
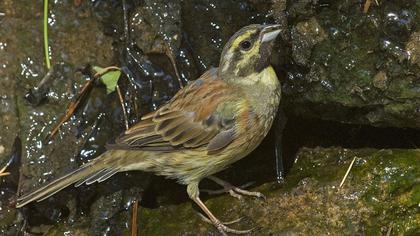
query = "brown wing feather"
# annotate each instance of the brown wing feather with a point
(189, 120)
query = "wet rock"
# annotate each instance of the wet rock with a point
(209, 24)
(23, 64)
(380, 80)
(11, 220)
(379, 195)
(413, 48)
(156, 26)
(9, 125)
(110, 213)
(305, 35)
(75, 38)
(352, 67)
(302, 9)
(148, 56)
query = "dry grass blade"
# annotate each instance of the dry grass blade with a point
(2, 173)
(134, 218)
(123, 107)
(171, 57)
(367, 6)
(71, 108)
(106, 70)
(388, 233)
(347, 172)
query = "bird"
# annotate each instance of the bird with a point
(205, 127)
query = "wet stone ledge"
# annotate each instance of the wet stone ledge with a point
(380, 194)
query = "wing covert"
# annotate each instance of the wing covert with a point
(199, 115)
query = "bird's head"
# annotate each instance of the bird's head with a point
(248, 51)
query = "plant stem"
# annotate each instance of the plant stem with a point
(46, 47)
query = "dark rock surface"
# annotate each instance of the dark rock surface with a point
(350, 66)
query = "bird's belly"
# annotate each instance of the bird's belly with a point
(187, 166)
(191, 165)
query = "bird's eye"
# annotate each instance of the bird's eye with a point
(245, 45)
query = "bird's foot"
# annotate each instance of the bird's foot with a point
(223, 228)
(192, 190)
(225, 222)
(234, 191)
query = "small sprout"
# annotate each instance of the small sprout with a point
(109, 76)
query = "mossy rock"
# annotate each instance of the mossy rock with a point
(380, 195)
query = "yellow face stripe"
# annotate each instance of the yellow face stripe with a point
(234, 58)
(240, 38)
(246, 56)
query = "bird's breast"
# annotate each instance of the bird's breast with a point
(264, 94)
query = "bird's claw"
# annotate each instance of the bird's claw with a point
(223, 228)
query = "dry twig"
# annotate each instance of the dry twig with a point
(134, 218)
(367, 6)
(347, 172)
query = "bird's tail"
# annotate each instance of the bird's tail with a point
(94, 171)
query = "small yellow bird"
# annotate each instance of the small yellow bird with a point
(211, 123)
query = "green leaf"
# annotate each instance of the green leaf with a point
(110, 78)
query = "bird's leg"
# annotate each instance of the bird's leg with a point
(194, 193)
(233, 190)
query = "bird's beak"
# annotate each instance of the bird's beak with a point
(269, 33)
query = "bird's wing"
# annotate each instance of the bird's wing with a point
(201, 114)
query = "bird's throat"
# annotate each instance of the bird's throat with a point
(262, 90)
